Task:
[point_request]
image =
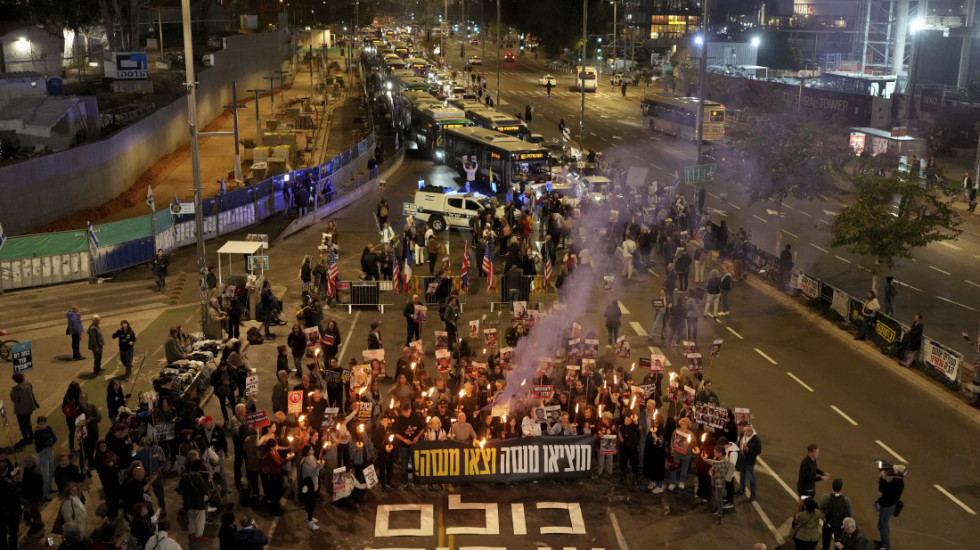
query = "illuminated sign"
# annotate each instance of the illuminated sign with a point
(527, 156)
(454, 125)
(494, 155)
(508, 128)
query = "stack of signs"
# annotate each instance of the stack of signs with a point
(475, 328)
(421, 312)
(710, 415)
(442, 339)
(742, 417)
(542, 392)
(443, 360)
(375, 358)
(591, 348)
(520, 310)
(490, 337)
(313, 338)
(588, 367)
(694, 362)
(622, 348)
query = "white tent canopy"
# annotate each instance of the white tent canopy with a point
(247, 248)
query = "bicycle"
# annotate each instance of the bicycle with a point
(5, 347)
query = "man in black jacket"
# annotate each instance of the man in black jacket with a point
(414, 328)
(891, 483)
(749, 448)
(911, 343)
(806, 483)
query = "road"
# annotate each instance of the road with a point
(802, 381)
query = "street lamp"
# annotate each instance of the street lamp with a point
(614, 36)
(702, 74)
(915, 26)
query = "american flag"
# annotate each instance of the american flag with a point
(546, 259)
(333, 273)
(488, 266)
(396, 273)
(464, 274)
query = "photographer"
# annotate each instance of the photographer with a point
(891, 483)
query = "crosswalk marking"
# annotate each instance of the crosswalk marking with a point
(622, 307)
(640, 331)
(654, 350)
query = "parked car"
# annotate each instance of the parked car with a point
(509, 57)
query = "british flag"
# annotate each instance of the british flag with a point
(333, 273)
(488, 267)
(464, 274)
(396, 273)
(546, 260)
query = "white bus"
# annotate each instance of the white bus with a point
(587, 78)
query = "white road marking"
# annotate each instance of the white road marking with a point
(712, 195)
(792, 493)
(769, 525)
(619, 534)
(964, 280)
(956, 303)
(891, 451)
(800, 382)
(638, 328)
(574, 514)
(737, 335)
(940, 270)
(489, 509)
(622, 308)
(654, 350)
(616, 137)
(791, 234)
(950, 245)
(829, 213)
(735, 206)
(654, 273)
(823, 221)
(824, 250)
(425, 529)
(956, 500)
(760, 219)
(770, 359)
(350, 332)
(805, 213)
(519, 520)
(845, 260)
(840, 412)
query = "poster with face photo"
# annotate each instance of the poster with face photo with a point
(694, 362)
(539, 414)
(680, 442)
(312, 337)
(607, 445)
(553, 412)
(576, 331)
(477, 368)
(657, 363)
(506, 355)
(533, 317)
(339, 479)
(360, 377)
(421, 312)
(490, 337)
(742, 417)
(442, 339)
(588, 366)
(375, 358)
(591, 348)
(545, 367)
(574, 349)
(520, 310)
(443, 360)
(474, 329)
(623, 348)
(571, 373)
(417, 349)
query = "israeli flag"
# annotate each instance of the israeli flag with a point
(91, 235)
(149, 197)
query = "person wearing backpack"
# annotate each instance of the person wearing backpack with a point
(835, 507)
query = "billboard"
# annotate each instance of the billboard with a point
(126, 65)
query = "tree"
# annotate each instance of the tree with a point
(890, 216)
(786, 155)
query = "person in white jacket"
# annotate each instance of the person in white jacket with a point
(73, 509)
(470, 166)
(161, 540)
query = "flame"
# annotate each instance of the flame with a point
(483, 442)
(290, 438)
(488, 386)
(655, 413)
(633, 402)
(326, 444)
(633, 367)
(672, 376)
(504, 418)
(604, 384)
(309, 394)
(524, 382)
(703, 436)
(615, 380)
(600, 410)
(576, 408)
(338, 426)
(391, 438)
(316, 351)
(427, 419)
(391, 405)
(302, 417)
(462, 393)
(413, 366)
(688, 438)
(360, 428)
(361, 391)
(431, 391)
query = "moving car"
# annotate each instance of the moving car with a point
(618, 78)
(547, 79)
(510, 58)
(475, 60)
(475, 42)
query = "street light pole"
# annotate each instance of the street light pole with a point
(702, 73)
(191, 85)
(580, 74)
(258, 122)
(498, 52)
(614, 36)
(444, 29)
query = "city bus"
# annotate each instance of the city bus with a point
(492, 119)
(428, 124)
(587, 78)
(511, 161)
(411, 83)
(677, 116)
(419, 66)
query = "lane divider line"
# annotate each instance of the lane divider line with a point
(791, 234)
(783, 484)
(956, 500)
(891, 451)
(737, 335)
(844, 415)
(956, 303)
(824, 250)
(940, 270)
(770, 359)
(761, 219)
(845, 260)
(800, 382)
(619, 533)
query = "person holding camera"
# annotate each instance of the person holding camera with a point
(891, 483)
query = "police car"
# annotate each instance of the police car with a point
(443, 208)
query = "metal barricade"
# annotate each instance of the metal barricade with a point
(361, 294)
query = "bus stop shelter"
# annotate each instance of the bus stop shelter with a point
(245, 248)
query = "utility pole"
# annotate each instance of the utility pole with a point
(443, 29)
(272, 94)
(614, 36)
(581, 72)
(234, 107)
(702, 73)
(191, 85)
